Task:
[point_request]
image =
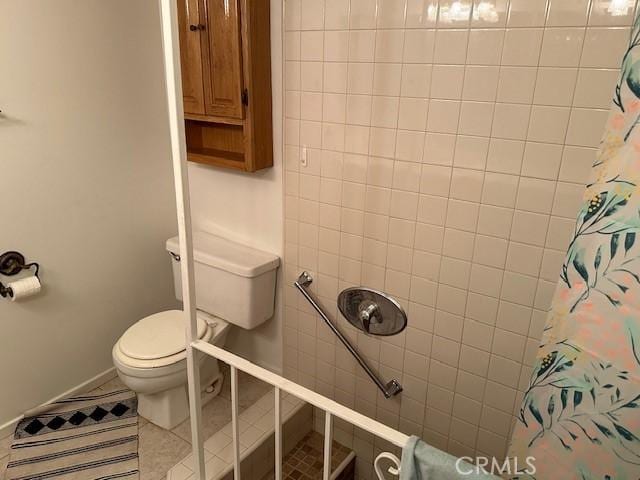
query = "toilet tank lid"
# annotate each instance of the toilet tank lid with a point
(226, 255)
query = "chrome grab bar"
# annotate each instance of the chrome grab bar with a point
(389, 389)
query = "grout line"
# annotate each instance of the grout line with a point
(463, 316)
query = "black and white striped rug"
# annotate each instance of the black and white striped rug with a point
(84, 437)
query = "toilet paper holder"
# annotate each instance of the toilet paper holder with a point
(12, 263)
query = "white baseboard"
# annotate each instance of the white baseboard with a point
(100, 379)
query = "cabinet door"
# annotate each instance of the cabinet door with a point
(222, 58)
(191, 56)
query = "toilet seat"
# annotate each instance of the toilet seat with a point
(159, 340)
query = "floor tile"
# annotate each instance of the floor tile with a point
(159, 451)
(3, 465)
(215, 415)
(5, 445)
(213, 467)
(113, 384)
(217, 442)
(179, 472)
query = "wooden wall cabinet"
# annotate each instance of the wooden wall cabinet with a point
(226, 81)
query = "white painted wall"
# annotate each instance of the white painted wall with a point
(248, 208)
(86, 186)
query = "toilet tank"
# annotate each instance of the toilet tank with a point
(234, 282)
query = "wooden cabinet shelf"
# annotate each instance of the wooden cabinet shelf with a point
(211, 119)
(226, 76)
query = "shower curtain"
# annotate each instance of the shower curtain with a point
(580, 416)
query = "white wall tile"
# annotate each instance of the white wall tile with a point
(505, 156)
(412, 114)
(480, 83)
(336, 15)
(601, 15)
(446, 81)
(418, 46)
(471, 152)
(406, 176)
(421, 13)
(535, 195)
(489, 13)
(510, 121)
(416, 80)
(555, 86)
(360, 78)
(382, 142)
(576, 164)
(386, 79)
(391, 13)
(527, 13)
(451, 46)
(528, 227)
(363, 14)
(594, 87)
(311, 46)
(336, 45)
(439, 148)
(486, 280)
(462, 215)
(361, 45)
(311, 15)
(524, 259)
(500, 189)
(542, 160)
(518, 288)
(490, 251)
(485, 46)
(384, 112)
(567, 200)
(432, 209)
(548, 124)
(522, 46)
(604, 47)
(454, 13)
(561, 47)
(466, 184)
(335, 77)
(476, 118)
(443, 116)
(586, 127)
(447, 151)
(516, 84)
(563, 13)
(409, 147)
(389, 45)
(494, 221)
(435, 180)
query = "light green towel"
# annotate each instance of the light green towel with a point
(424, 462)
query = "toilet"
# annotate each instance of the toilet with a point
(235, 286)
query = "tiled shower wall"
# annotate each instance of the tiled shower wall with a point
(438, 151)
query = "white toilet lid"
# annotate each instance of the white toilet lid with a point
(157, 336)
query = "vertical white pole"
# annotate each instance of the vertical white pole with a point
(234, 423)
(278, 433)
(328, 436)
(171, 47)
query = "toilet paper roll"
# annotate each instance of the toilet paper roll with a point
(25, 287)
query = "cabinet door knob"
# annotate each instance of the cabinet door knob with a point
(195, 28)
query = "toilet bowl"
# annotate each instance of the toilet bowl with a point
(234, 285)
(150, 359)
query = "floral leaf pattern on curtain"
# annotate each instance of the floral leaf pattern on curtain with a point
(580, 416)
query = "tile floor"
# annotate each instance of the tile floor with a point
(305, 461)
(160, 449)
(256, 427)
